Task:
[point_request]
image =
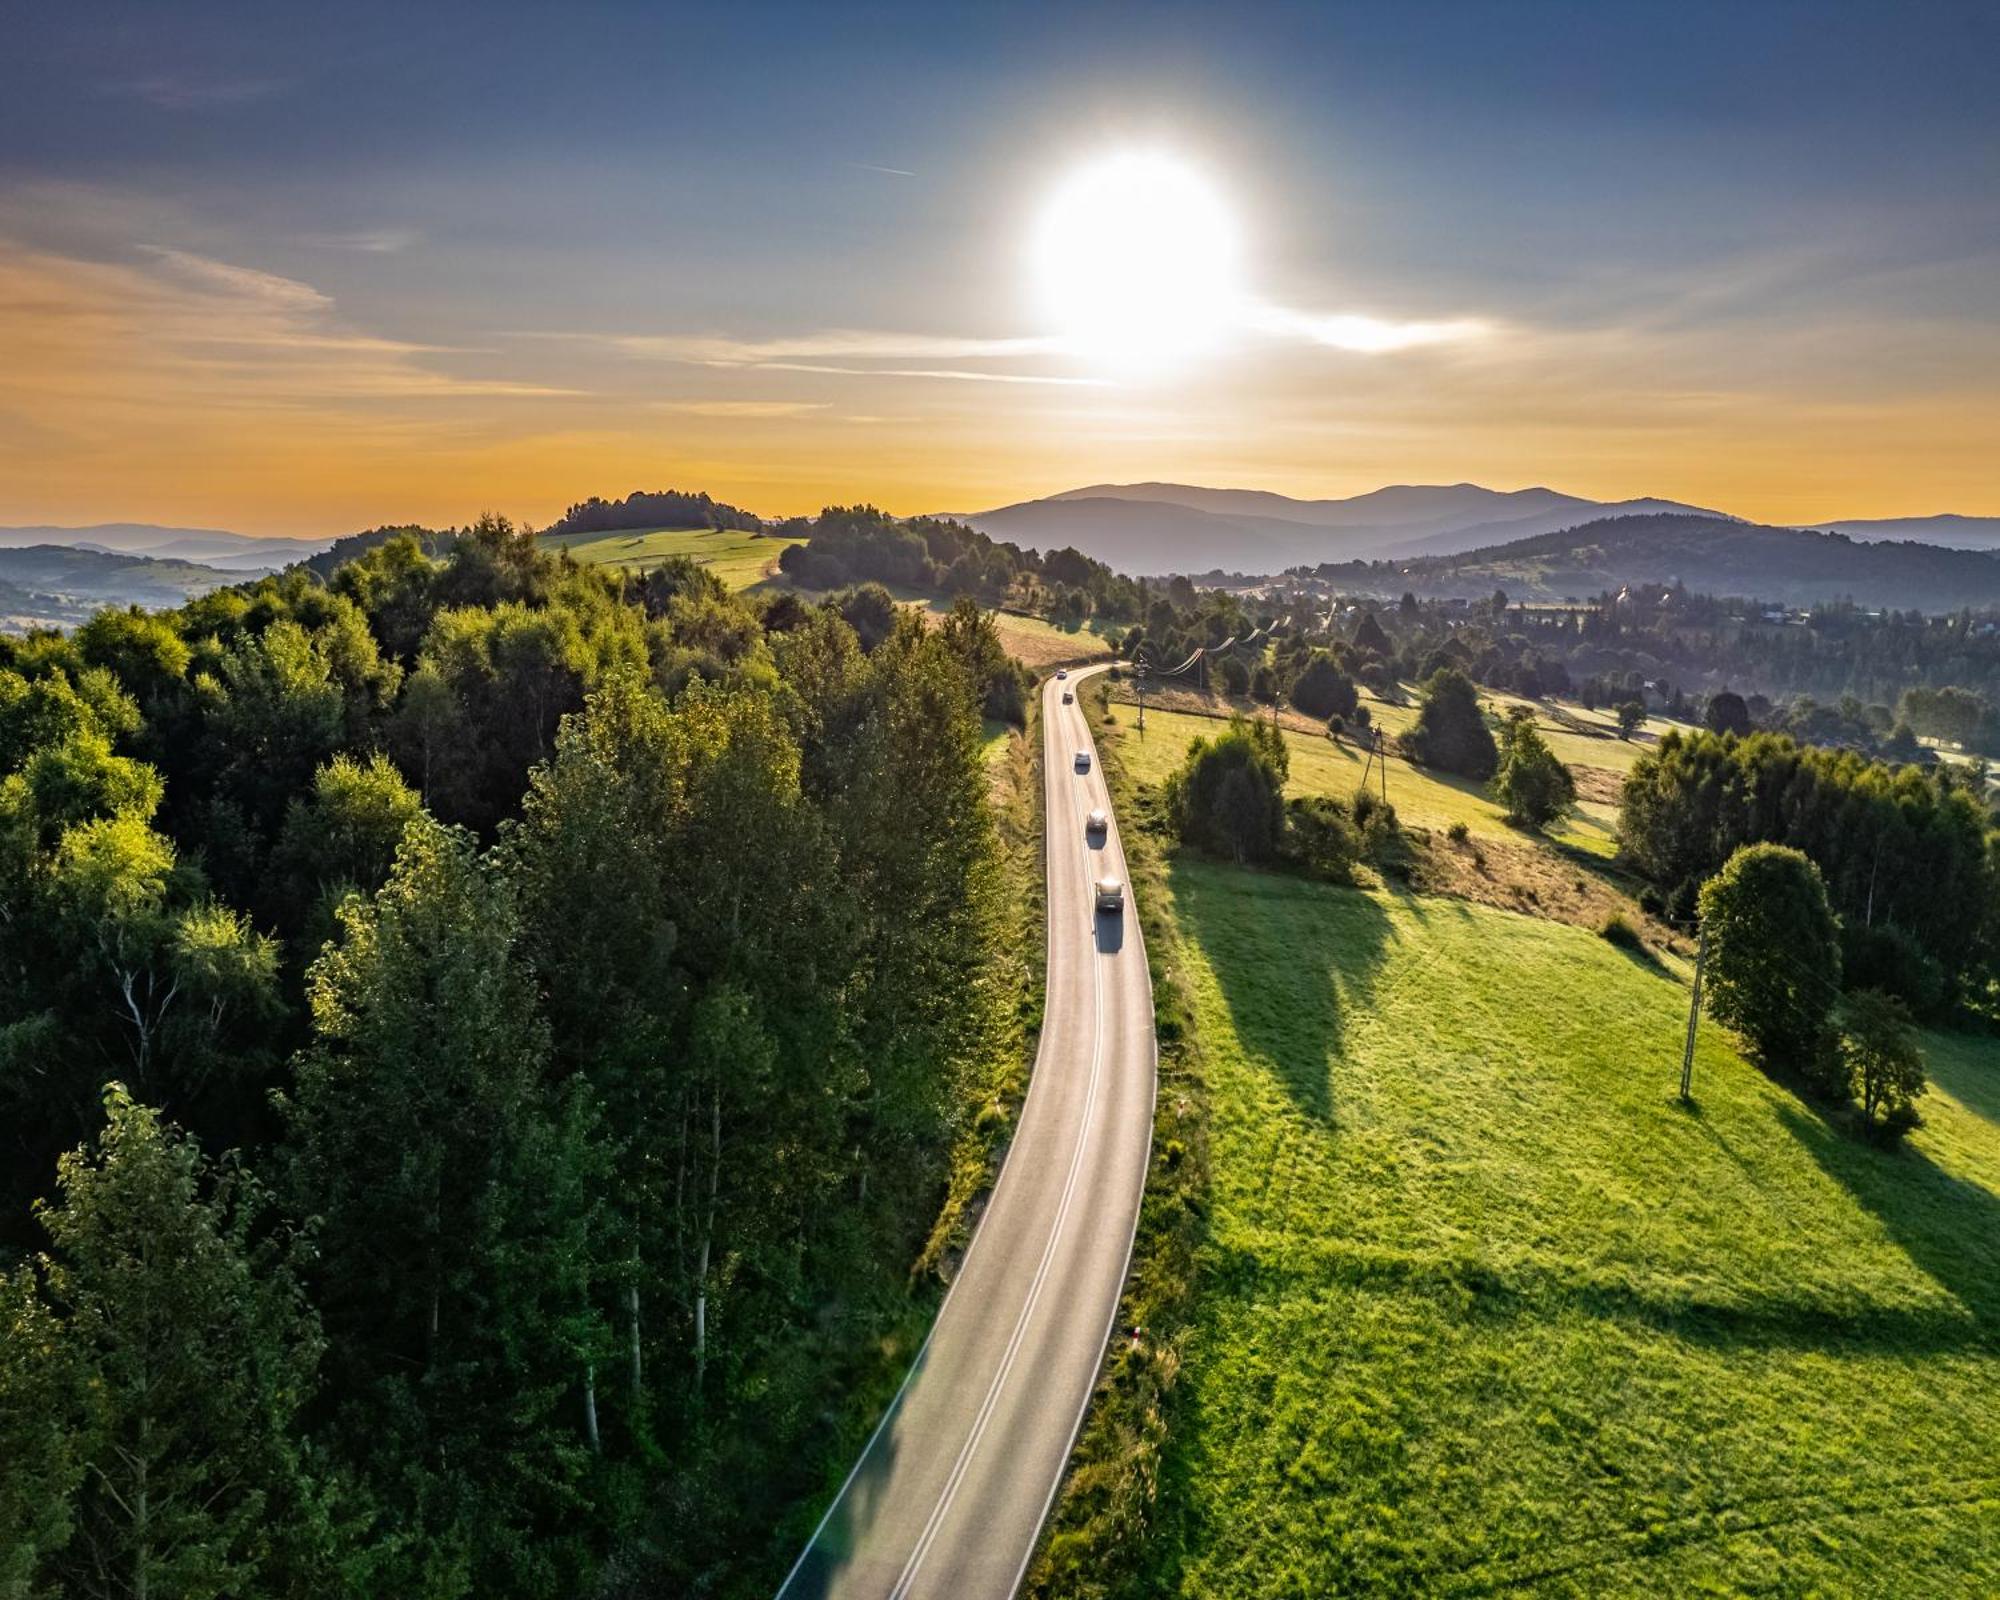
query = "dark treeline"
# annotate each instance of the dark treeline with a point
(662, 508)
(582, 975)
(854, 544)
(1909, 858)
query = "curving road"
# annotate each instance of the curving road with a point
(950, 1492)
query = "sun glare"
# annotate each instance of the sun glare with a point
(1135, 260)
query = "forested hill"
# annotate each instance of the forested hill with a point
(856, 544)
(660, 508)
(1705, 554)
(542, 1051)
(56, 586)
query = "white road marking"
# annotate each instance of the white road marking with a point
(992, 1399)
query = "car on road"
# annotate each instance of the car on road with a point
(1111, 895)
(1068, 697)
(1062, 672)
(1097, 822)
(1083, 761)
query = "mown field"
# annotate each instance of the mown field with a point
(1422, 799)
(1039, 644)
(738, 559)
(1483, 1309)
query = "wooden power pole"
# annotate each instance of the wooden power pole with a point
(1694, 1015)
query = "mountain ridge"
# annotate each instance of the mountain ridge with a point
(1709, 555)
(242, 553)
(1155, 527)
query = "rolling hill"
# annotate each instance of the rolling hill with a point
(1960, 533)
(48, 585)
(1156, 528)
(1709, 555)
(232, 552)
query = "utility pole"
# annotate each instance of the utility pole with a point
(1694, 1014)
(1385, 765)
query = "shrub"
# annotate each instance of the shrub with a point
(1773, 956)
(1726, 712)
(1322, 837)
(1458, 833)
(1882, 1060)
(1630, 715)
(1322, 690)
(1227, 796)
(1450, 734)
(1532, 783)
(1617, 930)
(1382, 842)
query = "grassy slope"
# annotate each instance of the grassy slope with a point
(1040, 644)
(1483, 1309)
(738, 559)
(1424, 799)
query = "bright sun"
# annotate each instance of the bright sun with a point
(1135, 259)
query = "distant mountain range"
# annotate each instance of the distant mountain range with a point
(52, 585)
(1157, 528)
(1456, 538)
(1710, 555)
(239, 553)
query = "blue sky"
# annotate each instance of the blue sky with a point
(1733, 253)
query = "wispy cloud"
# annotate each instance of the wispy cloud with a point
(842, 344)
(1364, 335)
(843, 352)
(166, 92)
(243, 283)
(190, 333)
(952, 374)
(742, 408)
(869, 166)
(374, 242)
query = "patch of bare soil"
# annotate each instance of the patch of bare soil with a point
(1598, 783)
(1531, 877)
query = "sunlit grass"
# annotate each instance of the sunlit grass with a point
(1484, 1309)
(739, 559)
(1318, 766)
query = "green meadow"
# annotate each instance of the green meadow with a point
(1422, 799)
(1482, 1308)
(739, 559)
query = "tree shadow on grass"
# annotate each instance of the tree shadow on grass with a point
(1967, 1067)
(1949, 1228)
(1292, 958)
(1478, 1291)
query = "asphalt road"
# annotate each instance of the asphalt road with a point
(949, 1495)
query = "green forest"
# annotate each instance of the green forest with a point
(482, 1042)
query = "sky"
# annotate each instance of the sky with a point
(306, 269)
